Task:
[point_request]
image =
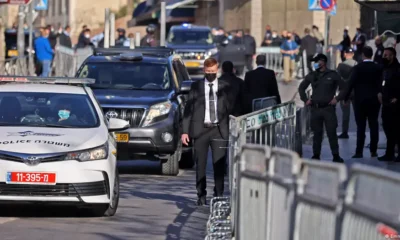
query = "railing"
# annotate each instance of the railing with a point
(15, 66)
(67, 60)
(281, 196)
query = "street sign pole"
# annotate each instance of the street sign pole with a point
(21, 35)
(327, 29)
(30, 63)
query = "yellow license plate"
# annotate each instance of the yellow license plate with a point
(122, 137)
(192, 64)
(12, 53)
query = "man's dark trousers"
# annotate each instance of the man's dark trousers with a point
(363, 111)
(391, 127)
(211, 137)
(249, 62)
(346, 109)
(320, 116)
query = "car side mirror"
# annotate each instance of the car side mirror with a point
(186, 86)
(116, 124)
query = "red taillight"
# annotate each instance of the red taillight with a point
(387, 231)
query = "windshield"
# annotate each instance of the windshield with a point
(128, 75)
(190, 37)
(47, 110)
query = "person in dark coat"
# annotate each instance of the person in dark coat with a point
(365, 80)
(309, 44)
(379, 50)
(84, 41)
(250, 45)
(260, 83)
(52, 36)
(206, 124)
(64, 37)
(389, 96)
(149, 40)
(237, 86)
(345, 43)
(359, 41)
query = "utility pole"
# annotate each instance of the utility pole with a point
(30, 22)
(21, 34)
(107, 28)
(112, 29)
(163, 23)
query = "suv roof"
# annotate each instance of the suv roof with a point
(148, 51)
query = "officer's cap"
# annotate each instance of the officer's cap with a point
(318, 57)
(121, 30)
(349, 50)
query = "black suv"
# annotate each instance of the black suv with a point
(148, 88)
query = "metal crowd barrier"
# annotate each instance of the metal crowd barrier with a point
(18, 66)
(281, 196)
(67, 60)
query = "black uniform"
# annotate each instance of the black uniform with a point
(364, 80)
(324, 85)
(391, 111)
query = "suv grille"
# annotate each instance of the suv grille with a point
(60, 189)
(133, 116)
(192, 55)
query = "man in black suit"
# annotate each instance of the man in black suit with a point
(237, 86)
(309, 44)
(260, 83)
(64, 37)
(365, 80)
(250, 45)
(206, 123)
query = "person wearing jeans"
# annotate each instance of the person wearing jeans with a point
(44, 52)
(289, 49)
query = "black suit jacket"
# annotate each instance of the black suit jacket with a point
(365, 79)
(236, 95)
(65, 40)
(260, 83)
(193, 119)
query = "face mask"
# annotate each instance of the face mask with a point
(316, 66)
(210, 76)
(87, 36)
(274, 35)
(63, 114)
(230, 37)
(385, 61)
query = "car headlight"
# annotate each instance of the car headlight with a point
(157, 110)
(97, 153)
(212, 52)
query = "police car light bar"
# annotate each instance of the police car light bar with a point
(51, 80)
(155, 51)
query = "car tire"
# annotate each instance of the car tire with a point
(109, 210)
(187, 161)
(170, 165)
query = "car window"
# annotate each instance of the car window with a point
(122, 75)
(47, 110)
(190, 37)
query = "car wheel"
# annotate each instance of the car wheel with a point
(109, 210)
(187, 161)
(170, 165)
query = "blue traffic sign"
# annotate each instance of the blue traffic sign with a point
(315, 5)
(41, 5)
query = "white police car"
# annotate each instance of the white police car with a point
(56, 145)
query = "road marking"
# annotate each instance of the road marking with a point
(6, 220)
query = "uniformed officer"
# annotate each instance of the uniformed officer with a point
(324, 83)
(389, 96)
(149, 40)
(344, 69)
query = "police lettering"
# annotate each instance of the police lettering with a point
(36, 141)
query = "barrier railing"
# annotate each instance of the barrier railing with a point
(15, 66)
(67, 60)
(281, 196)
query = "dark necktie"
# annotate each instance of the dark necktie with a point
(212, 104)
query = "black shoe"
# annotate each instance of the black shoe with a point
(344, 136)
(201, 201)
(374, 154)
(316, 157)
(358, 155)
(337, 159)
(387, 158)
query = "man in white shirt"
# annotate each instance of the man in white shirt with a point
(206, 124)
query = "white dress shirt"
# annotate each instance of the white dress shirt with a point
(207, 118)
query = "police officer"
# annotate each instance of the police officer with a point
(389, 96)
(344, 70)
(324, 83)
(119, 42)
(149, 40)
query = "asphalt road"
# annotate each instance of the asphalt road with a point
(151, 207)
